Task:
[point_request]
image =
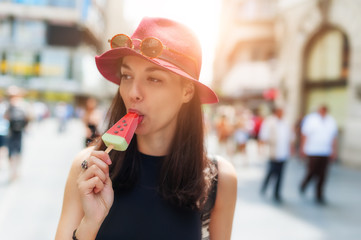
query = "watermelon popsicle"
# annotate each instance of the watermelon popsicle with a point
(120, 134)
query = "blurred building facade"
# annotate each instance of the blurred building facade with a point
(48, 46)
(312, 50)
(245, 65)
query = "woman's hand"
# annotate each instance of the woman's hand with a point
(95, 188)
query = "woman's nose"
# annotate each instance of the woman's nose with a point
(135, 92)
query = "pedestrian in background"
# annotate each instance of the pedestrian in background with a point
(224, 130)
(61, 113)
(18, 118)
(4, 126)
(163, 186)
(241, 134)
(257, 120)
(277, 134)
(319, 145)
(91, 119)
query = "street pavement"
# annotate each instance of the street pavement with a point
(30, 207)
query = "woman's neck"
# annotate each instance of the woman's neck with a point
(154, 145)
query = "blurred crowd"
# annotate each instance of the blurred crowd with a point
(17, 113)
(313, 140)
(237, 126)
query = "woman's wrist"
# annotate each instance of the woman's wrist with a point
(87, 230)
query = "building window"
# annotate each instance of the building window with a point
(19, 63)
(5, 32)
(29, 33)
(55, 63)
(328, 58)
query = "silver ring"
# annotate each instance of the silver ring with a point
(84, 165)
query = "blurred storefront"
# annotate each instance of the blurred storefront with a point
(48, 47)
(307, 50)
(245, 66)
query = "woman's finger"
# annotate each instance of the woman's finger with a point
(102, 156)
(94, 171)
(91, 185)
(98, 184)
(93, 160)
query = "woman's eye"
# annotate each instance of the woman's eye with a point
(155, 80)
(125, 76)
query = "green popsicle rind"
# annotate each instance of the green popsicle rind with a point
(119, 143)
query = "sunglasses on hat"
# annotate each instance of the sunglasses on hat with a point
(150, 47)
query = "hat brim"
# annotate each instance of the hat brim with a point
(108, 66)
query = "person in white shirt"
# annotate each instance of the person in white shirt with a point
(318, 145)
(277, 134)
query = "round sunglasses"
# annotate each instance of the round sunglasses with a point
(150, 47)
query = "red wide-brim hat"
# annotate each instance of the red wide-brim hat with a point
(174, 36)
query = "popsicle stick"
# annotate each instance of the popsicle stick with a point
(109, 148)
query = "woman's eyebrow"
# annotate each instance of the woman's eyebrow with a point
(152, 69)
(148, 69)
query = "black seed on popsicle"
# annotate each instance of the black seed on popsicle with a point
(118, 126)
(123, 121)
(115, 131)
(121, 129)
(125, 124)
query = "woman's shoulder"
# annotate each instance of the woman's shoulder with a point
(225, 168)
(227, 177)
(224, 179)
(220, 226)
(226, 171)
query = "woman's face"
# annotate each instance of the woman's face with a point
(156, 94)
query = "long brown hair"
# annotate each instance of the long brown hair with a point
(184, 180)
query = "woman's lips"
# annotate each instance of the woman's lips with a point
(140, 119)
(141, 116)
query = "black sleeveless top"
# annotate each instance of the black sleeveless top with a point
(141, 213)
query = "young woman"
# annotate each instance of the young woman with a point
(163, 186)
